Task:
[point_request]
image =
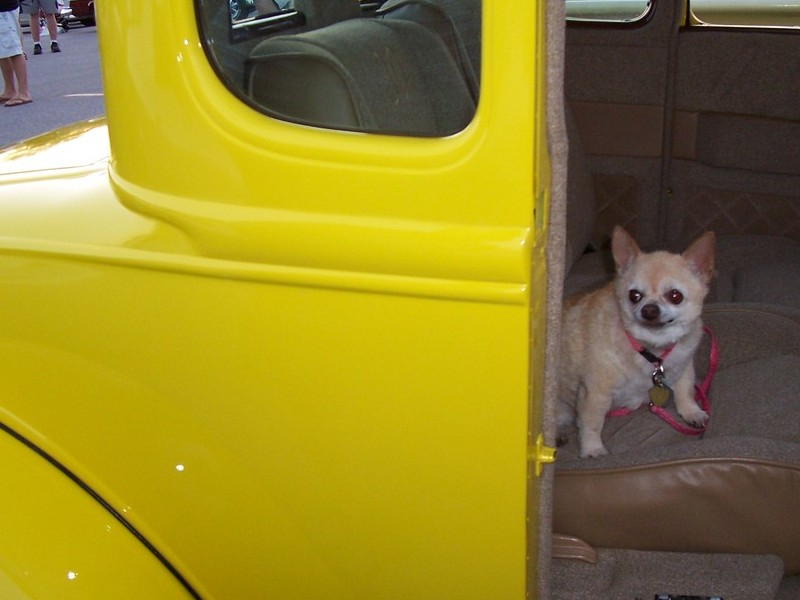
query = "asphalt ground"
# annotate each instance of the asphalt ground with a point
(65, 86)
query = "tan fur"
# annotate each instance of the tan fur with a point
(600, 370)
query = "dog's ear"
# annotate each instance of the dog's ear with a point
(700, 255)
(623, 248)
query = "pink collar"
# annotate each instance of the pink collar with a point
(701, 390)
(646, 353)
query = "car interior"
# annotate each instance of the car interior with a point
(665, 126)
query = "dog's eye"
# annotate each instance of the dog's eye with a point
(674, 297)
(634, 296)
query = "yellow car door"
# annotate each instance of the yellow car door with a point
(301, 359)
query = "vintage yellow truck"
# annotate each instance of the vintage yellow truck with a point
(285, 323)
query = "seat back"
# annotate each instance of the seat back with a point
(456, 22)
(364, 75)
(581, 200)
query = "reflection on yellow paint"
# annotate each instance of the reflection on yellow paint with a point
(81, 144)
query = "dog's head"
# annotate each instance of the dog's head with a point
(661, 294)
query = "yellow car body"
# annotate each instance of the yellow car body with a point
(294, 362)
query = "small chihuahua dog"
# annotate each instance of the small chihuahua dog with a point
(634, 340)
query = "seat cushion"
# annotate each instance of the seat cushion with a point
(768, 388)
(736, 488)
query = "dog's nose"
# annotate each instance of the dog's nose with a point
(650, 312)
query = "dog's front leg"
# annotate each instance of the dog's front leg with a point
(684, 399)
(593, 405)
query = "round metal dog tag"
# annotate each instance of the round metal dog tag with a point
(659, 395)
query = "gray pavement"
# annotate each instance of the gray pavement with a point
(66, 86)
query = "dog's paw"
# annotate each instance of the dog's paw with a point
(695, 417)
(593, 450)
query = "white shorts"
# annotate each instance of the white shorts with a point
(32, 7)
(10, 34)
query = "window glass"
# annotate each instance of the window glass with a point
(744, 13)
(403, 67)
(612, 11)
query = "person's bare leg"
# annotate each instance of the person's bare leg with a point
(52, 29)
(35, 32)
(9, 84)
(20, 72)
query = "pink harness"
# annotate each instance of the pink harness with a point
(701, 390)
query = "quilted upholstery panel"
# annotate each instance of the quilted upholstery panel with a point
(727, 212)
(618, 204)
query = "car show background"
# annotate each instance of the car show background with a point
(66, 86)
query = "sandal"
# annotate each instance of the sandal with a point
(16, 102)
